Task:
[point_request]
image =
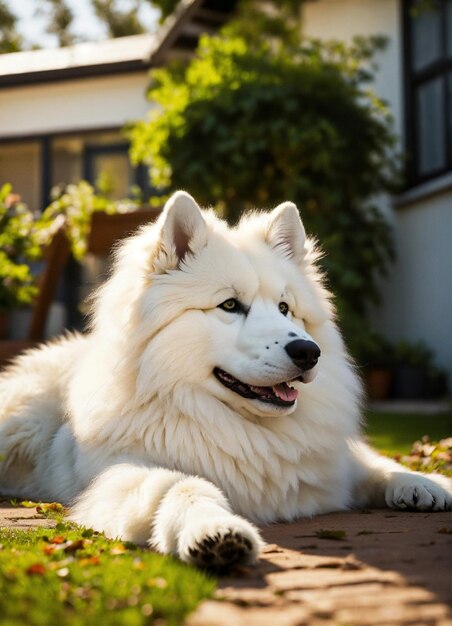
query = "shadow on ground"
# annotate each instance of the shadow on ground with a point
(389, 568)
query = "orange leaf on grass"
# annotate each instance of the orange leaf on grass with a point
(73, 546)
(37, 569)
(57, 539)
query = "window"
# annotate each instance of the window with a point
(20, 166)
(428, 66)
(35, 166)
(108, 169)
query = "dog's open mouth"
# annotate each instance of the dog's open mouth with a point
(280, 395)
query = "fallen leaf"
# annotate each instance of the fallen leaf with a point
(50, 506)
(62, 572)
(57, 539)
(336, 535)
(73, 546)
(37, 569)
(92, 560)
(29, 504)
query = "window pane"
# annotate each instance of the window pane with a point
(68, 154)
(425, 34)
(449, 27)
(20, 165)
(449, 113)
(67, 161)
(431, 131)
(112, 174)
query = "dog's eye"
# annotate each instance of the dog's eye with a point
(231, 306)
(283, 308)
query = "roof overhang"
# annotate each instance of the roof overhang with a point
(176, 38)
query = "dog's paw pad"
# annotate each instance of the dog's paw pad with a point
(222, 551)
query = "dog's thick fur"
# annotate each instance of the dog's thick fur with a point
(130, 425)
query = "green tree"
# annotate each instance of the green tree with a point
(60, 21)
(119, 19)
(253, 122)
(10, 40)
(119, 22)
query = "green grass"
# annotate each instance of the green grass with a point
(76, 577)
(393, 434)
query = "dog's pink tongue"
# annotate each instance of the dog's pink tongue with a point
(284, 392)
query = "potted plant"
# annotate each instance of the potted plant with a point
(376, 358)
(436, 382)
(18, 242)
(412, 362)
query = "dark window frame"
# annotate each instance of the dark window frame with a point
(413, 79)
(90, 152)
(45, 142)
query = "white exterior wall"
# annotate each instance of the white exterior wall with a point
(77, 104)
(417, 295)
(343, 19)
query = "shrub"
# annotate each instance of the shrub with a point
(77, 203)
(18, 242)
(252, 125)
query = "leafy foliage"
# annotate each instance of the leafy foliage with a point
(10, 40)
(118, 17)
(429, 456)
(17, 242)
(248, 125)
(23, 234)
(119, 22)
(77, 203)
(75, 577)
(60, 19)
(166, 7)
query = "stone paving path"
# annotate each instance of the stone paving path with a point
(390, 569)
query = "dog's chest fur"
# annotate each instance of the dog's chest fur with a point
(267, 471)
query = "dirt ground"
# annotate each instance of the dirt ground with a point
(388, 569)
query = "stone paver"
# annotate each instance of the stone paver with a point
(21, 518)
(391, 569)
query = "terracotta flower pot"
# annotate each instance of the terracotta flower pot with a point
(378, 383)
(3, 324)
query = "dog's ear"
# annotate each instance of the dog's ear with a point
(285, 231)
(184, 229)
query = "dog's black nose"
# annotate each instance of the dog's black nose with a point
(303, 353)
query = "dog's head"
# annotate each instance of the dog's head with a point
(234, 312)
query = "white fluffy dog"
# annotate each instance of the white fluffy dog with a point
(213, 385)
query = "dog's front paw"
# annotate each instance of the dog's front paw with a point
(419, 492)
(220, 543)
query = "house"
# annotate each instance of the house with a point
(62, 111)
(415, 78)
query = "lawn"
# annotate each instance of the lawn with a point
(392, 433)
(74, 577)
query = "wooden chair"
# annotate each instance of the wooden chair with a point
(106, 229)
(55, 258)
